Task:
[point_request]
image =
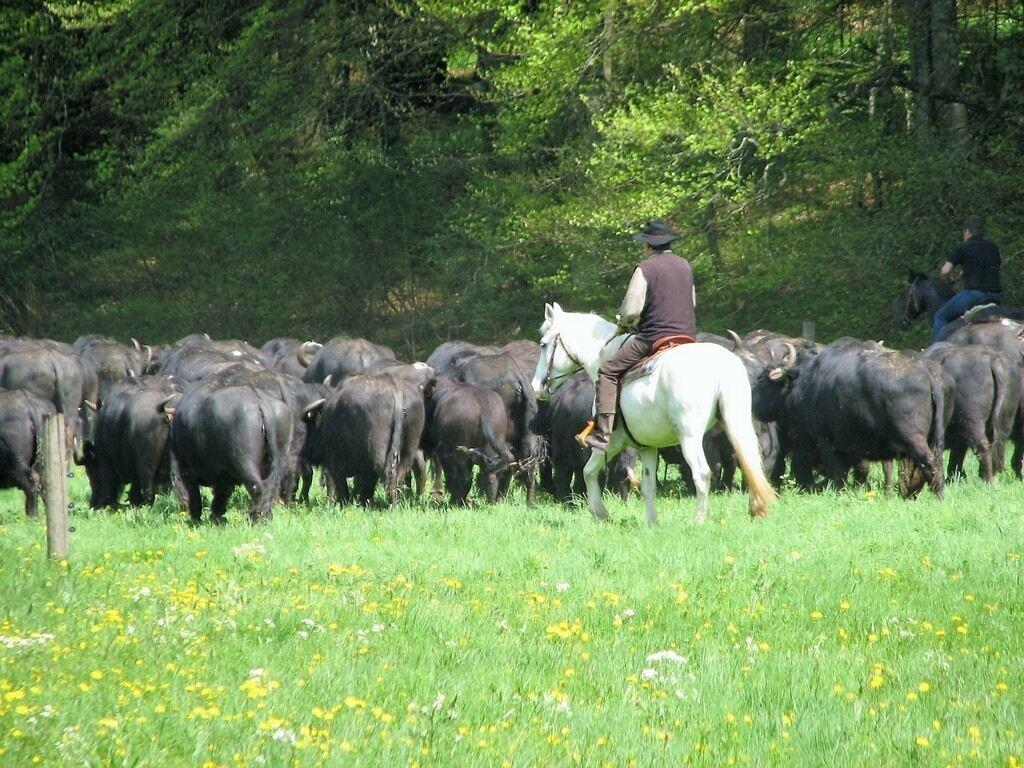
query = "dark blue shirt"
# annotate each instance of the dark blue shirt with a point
(979, 259)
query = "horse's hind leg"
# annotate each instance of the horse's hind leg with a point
(692, 447)
(649, 481)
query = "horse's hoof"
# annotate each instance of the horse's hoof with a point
(758, 509)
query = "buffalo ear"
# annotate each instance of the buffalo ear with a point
(776, 374)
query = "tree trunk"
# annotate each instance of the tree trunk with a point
(950, 113)
(935, 70)
(711, 228)
(755, 31)
(919, 27)
(609, 34)
(880, 99)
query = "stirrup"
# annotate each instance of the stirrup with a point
(581, 438)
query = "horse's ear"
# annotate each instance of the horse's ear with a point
(547, 311)
(556, 309)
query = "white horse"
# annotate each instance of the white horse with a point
(675, 404)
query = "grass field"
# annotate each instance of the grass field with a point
(847, 629)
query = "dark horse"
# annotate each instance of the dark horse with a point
(923, 295)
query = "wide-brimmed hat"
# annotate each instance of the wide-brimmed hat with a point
(656, 233)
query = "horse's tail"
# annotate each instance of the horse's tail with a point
(735, 414)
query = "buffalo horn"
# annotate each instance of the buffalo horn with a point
(313, 407)
(329, 380)
(737, 342)
(90, 405)
(149, 352)
(304, 354)
(136, 344)
(790, 356)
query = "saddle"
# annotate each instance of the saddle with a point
(978, 309)
(646, 366)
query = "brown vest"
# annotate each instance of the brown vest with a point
(669, 306)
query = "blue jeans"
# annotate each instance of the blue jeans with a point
(956, 306)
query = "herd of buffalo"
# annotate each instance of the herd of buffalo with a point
(215, 413)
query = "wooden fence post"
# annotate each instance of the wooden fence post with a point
(809, 328)
(55, 485)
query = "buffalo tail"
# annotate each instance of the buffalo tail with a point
(393, 457)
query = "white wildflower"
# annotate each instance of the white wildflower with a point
(668, 655)
(284, 734)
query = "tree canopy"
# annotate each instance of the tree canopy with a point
(416, 170)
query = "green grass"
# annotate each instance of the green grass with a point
(847, 629)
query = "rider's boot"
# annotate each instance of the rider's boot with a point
(596, 439)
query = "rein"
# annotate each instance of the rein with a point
(915, 304)
(549, 379)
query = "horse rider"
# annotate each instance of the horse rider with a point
(979, 259)
(658, 306)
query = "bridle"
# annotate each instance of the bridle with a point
(911, 308)
(548, 378)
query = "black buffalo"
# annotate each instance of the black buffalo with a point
(160, 353)
(855, 401)
(567, 413)
(505, 376)
(298, 396)
(342, 357)
(198, 357)
(131, 443)
(371, 429)
(113, 360)
(311, 452)
(21, 430)
(468, 427)
(984, 405)
(1007, 337)
(228, 433)
(282, 355)
(450, 353)
(52, 371)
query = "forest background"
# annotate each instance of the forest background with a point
(418, 170)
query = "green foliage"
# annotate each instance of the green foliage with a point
(422, 170)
